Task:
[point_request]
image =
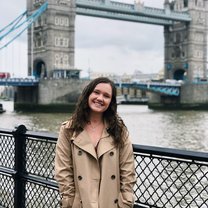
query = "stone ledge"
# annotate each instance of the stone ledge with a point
(44, 108)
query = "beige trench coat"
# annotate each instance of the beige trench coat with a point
(90, 179)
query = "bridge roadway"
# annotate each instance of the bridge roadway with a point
(157, 87)
(19, 82)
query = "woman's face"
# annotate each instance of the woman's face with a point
(100, 98)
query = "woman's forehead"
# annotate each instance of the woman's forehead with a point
(104, 87)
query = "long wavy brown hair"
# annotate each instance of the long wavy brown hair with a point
(81, 115)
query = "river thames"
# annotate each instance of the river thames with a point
(173, 129)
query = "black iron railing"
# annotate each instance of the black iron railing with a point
(26, 169)
(170, 178)
(166, 178)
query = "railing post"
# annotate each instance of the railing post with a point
(20, 166)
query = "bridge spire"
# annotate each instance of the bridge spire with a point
(138, 5)
(167, 6)
(178, 5)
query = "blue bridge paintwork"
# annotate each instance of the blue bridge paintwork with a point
(158, 87)
(19, 82)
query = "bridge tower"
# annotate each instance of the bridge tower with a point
(186, 57)
(186, 43)
(51, 39)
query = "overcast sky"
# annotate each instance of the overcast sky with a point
(102, 45)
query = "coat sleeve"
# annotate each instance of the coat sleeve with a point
(127, 175)
(64, 169)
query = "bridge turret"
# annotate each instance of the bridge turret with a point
(167, 6)
(138, 5)
(107, 2)
(200, 3)
(193, 4)
(166, 3)
(179, 5)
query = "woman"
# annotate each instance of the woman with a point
(94, 163)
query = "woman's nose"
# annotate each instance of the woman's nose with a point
(100, 97)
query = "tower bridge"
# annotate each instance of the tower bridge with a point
(51, 47)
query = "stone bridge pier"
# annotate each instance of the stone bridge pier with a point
(51, 95)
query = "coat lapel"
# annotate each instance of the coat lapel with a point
(83, 142)
(105, 144)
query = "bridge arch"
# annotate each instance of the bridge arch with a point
(39, 69)
(179, 74)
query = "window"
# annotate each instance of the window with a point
(62, 21)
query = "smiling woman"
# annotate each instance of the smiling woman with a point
(94, 163)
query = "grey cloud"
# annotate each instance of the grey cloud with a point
(131, 36)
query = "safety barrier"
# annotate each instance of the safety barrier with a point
(166, 178)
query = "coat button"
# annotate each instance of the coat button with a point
(79, 178)
(80, 152)
(111, 153)
(113, 177)
(116, 201)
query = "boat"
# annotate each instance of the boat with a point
(1, 108)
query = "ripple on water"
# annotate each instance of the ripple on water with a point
(176, 129)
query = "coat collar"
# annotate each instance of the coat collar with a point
(83, 141)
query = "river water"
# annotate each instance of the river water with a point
(175, 129)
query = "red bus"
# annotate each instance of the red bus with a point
(4, 75)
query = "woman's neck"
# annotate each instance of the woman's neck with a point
(96, 118)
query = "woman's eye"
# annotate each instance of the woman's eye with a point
(107, 96)
(96, 92)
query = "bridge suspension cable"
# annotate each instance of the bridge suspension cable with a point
(14, 22)
(18, 26)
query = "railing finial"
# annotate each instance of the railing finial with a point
(21, 129)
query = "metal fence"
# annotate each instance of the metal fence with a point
(166, 178)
